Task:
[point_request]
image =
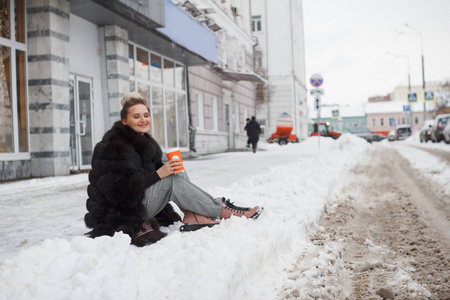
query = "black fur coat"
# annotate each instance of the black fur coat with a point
(120, 164)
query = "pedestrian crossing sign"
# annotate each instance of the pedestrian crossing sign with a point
(429, 96)
(412, 97)
(335, 113)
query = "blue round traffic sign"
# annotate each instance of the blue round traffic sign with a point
(316, 80)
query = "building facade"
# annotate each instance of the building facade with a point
(223, 95)
(65, 65)
(280, 57)
(341, 118)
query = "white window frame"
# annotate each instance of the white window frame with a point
(161, 85)
(256, 24)
(14, 46)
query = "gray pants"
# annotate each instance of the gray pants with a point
(179, 189)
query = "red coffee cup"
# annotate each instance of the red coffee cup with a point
(175, 153)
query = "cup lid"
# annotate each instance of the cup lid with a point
(172, 150)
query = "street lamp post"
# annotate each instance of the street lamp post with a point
(423, 72)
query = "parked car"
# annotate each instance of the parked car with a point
(446, 133)
(362, 132)
(376, 137)
(425, 132)
(438, 127)
(391, 135)
(402, 132)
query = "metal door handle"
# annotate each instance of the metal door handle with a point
(83, 121)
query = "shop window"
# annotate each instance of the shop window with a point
(13, 85)
(5, 19)
(6, 120)
(168, 75)
(155, 73)
(171, 119)
(162, 82)
(19, 20)
(142, 68)
(21, 87)
(179, 77)
(131, 59)
(182, 120)
(158, 115)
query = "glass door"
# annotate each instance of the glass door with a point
(80, 122)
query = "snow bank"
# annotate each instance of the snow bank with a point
(239, 259)
(429, 165)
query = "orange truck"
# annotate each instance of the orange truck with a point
(283, 134)
(322, 129)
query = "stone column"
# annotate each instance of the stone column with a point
(116, 48)
(48, 86)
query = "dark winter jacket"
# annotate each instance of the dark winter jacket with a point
(124, 164)
(253, 131)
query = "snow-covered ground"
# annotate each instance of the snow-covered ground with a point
(44, 255)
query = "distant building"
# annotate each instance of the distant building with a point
(280, 58)
(380, 98)
(383, 117)
(341, 118)
(64, 66)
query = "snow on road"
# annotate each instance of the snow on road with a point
(44, 254)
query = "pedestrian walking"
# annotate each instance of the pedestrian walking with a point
(130, 187)
(245, 128)
(253, 132)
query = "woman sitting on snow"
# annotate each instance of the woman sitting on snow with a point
(130, 188)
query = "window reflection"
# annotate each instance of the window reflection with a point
(142, 69)
(179, 77)
(162, 82)
(131, 59)
(22, 101)
(171, 119)
(4, 19)
(158, 116)
(168, 73)
(6, 122)
(182, 120)
(155, 68)
(19, 20)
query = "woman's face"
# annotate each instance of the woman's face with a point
(138, 118)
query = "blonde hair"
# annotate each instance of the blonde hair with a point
(131, 95)
(129, 100)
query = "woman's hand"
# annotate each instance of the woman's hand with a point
(169, 168)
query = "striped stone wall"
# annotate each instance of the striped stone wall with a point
(48, 86)
(116, 48)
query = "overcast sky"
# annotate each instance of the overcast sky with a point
(346, 42)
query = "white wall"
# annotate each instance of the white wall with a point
(85, 61)
(279, 37)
